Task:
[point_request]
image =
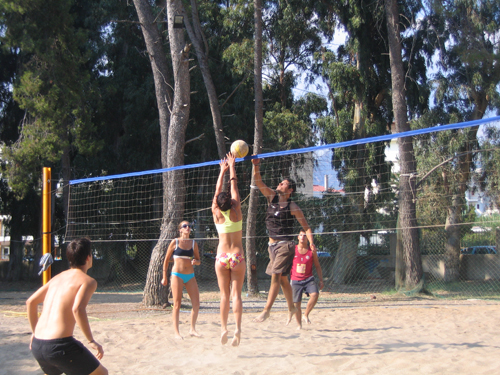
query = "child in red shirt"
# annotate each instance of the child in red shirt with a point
(303, 279)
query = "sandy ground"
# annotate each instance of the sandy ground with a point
(410, 336)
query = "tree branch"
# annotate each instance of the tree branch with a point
(195, 138)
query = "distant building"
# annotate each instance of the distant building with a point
(323, 190)
(481, 202)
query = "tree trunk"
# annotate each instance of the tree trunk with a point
(14, 272)
(399, 265)
(66, 175)
(452, 245)
(154, 292)
(345, 260)
(252, 282)
(454, 218)
(407, 190)
(282, 78)
(172, 155)
(159, 66)
(201, 47)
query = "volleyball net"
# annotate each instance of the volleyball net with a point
(349, 193)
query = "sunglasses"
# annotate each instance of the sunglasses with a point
(186, 226)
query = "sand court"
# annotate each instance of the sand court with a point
(412, 336)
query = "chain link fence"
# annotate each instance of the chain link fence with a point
(121, 266)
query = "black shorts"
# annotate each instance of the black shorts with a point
(307, 286)
(280, 257)
(66, 355)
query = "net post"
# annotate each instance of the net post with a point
(46, 219)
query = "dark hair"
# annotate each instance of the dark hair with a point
(224, 201)
(291, 185)
(78, 251)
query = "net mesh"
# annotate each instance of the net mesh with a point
(349, 195)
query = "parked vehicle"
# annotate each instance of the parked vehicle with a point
(478, 250)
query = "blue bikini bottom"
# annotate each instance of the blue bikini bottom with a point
(185, 277)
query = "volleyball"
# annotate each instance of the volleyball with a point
(239, 148)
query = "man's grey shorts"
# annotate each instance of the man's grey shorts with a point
(307, 286)
(280, 257)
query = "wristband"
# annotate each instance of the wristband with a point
(93, 341)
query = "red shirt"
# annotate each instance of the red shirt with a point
(302, 265)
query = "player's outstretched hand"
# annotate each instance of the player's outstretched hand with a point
(223, 165)
(231, 159)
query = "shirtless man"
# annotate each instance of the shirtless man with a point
(280, 219)
(65, 300)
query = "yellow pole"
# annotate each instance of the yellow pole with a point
(46, 218)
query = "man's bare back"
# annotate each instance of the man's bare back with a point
(70, 290)
(65, 299)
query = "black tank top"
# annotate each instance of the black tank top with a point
(181, 253)
(279, 221)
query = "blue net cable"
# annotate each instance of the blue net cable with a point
(387, 137)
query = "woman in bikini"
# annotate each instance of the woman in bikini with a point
(230, 263)
(186, 255)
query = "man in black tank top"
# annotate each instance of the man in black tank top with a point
(280, 219)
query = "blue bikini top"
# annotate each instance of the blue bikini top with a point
(181, 253)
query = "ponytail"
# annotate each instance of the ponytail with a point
(224, 199)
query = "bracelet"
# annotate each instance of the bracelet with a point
(93, 341)
(233, 178)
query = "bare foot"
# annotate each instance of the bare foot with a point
(299, 327)
(223, 338)
(194, 333)
(306, 319)
(260, 318)
(236, 338)
(291, 313)
(178, 336)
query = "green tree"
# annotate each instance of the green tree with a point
(173, 130)
(466, 87)
(123, 99)
(293, 31)
(358, 78)
(53, 88)
(487, 176)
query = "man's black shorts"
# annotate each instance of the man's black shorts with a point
(66, 355)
